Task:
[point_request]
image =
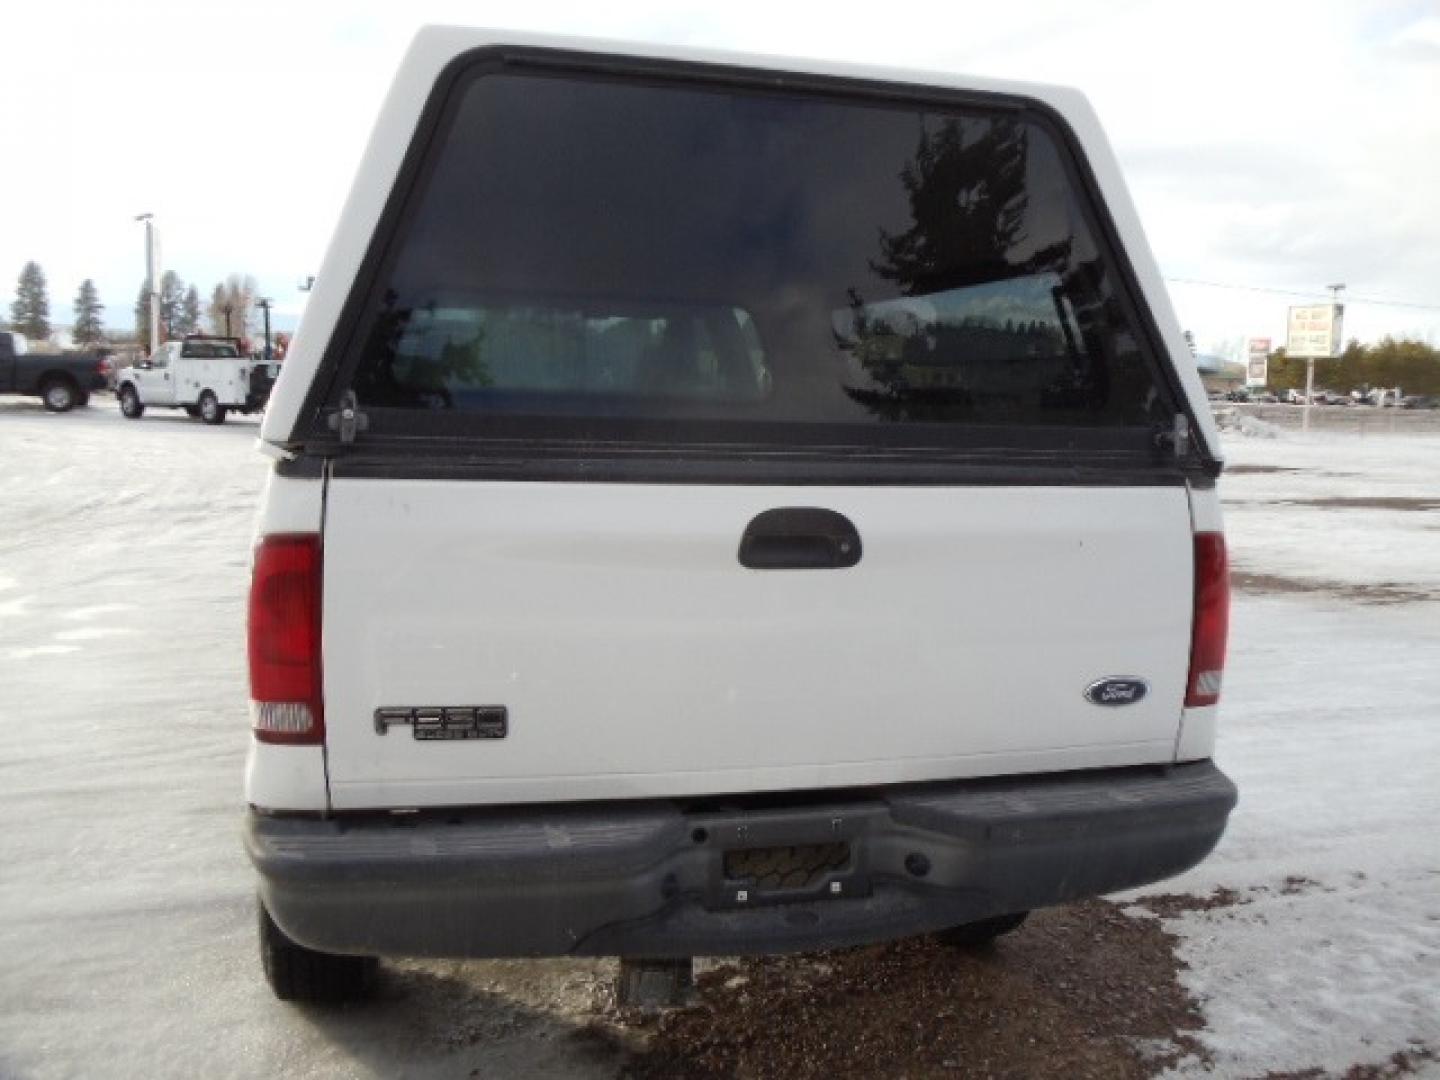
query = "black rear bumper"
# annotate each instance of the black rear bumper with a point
(650, 879)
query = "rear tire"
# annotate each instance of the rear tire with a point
(296, 973)
(59, 394)
(192, 411)
(977, 935)
(211, 411)
(131, 407)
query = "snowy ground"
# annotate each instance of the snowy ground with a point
(1331, 729)
(126, 946)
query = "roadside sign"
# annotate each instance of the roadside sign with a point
(1314, 331)
(1257, 361)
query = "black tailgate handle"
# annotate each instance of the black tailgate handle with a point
(799, 538)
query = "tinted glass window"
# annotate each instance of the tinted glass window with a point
(762, 267)
(210, 350)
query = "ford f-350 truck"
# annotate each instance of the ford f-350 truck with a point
(206, 376)
(724, 505)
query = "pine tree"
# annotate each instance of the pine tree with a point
(189, 313)
(88, 328)
(216, 311)
(30, 313)
(172, 299)
(142, 319)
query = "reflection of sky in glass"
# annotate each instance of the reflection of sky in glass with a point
(1018, 300)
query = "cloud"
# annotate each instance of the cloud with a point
(1419, 40)
(1285, 144)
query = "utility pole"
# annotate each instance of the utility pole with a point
(264, 305)
(152, 276)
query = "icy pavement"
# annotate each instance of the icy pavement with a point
(1336, 508)
(1331, 729)
(127, 943)
(127, 939)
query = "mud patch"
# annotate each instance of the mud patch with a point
(1401, 1063)
(1173, 905)
(1082, 991)
(1366, 502)
(1380, 592)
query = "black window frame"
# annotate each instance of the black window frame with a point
(499, 452)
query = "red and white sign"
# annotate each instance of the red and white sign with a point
(1257, 361)
(1314, 331)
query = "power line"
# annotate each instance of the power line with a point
(1313, 295)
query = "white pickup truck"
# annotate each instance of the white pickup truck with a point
(725, 505)
(208, 377)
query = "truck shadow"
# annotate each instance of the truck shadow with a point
(102, 410)
(1088, 990)
(480, 1018)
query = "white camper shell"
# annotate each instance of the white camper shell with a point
(725, 504)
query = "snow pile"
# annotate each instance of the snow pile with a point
(1236, 422)
(1256, 428)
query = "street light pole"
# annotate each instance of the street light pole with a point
(264, 305)
(1309, 392)
(1335, 290)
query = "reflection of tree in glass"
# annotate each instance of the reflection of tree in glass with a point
(403, 369)
(968, 202)
(970, 226)
(463, 362)
(876, 344)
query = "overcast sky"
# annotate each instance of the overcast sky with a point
(1271, 145)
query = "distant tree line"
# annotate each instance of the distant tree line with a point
(30, 310)
(179, 310)
(230, 311)
(1412, 365)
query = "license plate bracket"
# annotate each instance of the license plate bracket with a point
(766, 859)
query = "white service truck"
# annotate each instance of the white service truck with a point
(725, 505)
(206, 376)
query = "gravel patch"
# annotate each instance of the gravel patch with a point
(1082, 991)
(1380, 592)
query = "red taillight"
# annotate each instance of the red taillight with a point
(1211, 621)
(103, 367)
(284, 640)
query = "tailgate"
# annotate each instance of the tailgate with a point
(635, 656)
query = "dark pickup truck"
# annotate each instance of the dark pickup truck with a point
(61, 380)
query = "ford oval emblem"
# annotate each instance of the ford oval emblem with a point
(1116, 691)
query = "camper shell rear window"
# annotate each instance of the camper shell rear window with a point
(210, 350)
(598, 262)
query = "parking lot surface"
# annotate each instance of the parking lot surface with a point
(1310, 940)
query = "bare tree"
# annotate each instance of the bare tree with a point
(231, 304)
